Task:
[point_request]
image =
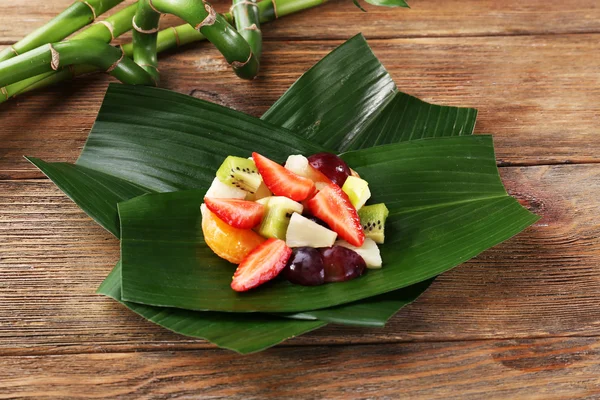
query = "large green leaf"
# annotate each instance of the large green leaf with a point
(244, 333)
(97, 193)
(446, 201)
(348, 101)
(374, 311)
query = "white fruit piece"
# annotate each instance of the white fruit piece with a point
(368, 251)
(298, 164)
(220, 190)
(262, 192)
(357, 190)
(303, 232)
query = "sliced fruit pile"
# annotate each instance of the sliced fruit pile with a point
(306, 220)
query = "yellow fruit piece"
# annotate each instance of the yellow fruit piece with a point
(227, 242)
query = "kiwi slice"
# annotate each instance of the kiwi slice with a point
(372, 219)
(357, 190)
(278, 212)
(240, 173)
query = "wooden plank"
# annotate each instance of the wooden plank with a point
(539, 96)
(545, 282)
(341, 19)
(559, 368)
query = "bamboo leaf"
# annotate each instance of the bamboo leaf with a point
(182, 174)
(243, 333)
(446, 201)
(353, 103)
(389, 3)
(371, 312)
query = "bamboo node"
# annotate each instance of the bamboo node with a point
(114, 65)
(176, 36)
(153, 7)
(274, 2)
(239, 64)
(110, 28)
(140, 30)
(252, 27)
(4, 92)
(151, 66)
(210, 19)
(55, 61)
(12, 48)
(91, 8)
(247, 3)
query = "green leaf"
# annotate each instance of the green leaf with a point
(389, 3)
(446, 201)
(371, 312)
(164, 141)
(243, 333)
(337, 97)
(95, 192)
(308, 96)
(357, 4)
(348, 101)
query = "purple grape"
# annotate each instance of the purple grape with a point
(305, 267)
(342, 264)
(331, 166)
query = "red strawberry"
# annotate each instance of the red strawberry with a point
(281, 181)
(240, 214)
(333, 206)
(262, 264)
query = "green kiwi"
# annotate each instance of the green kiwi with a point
(240, 173)
(372, 219)
(278, 212)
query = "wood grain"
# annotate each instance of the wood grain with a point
(340, 19)
(545, 282)
(519, 321)
(558, 368)
(539, 96)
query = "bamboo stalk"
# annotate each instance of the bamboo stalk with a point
(202, 16)
(51, 57)
(76, 16)
(168, 39)
(247, 22)
(112, 27)
(145, 32)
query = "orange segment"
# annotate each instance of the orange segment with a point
(227, 242)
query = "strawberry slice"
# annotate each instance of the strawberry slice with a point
(333, 206)
(262, 264)
(281, 181)
(318, 178)
(240, 214)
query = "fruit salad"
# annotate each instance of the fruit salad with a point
(306, 220)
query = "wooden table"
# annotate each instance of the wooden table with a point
(520, 321)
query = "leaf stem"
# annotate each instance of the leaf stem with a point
(76, 16)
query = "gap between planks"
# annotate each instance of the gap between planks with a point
(206, 346)
(423, 36)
